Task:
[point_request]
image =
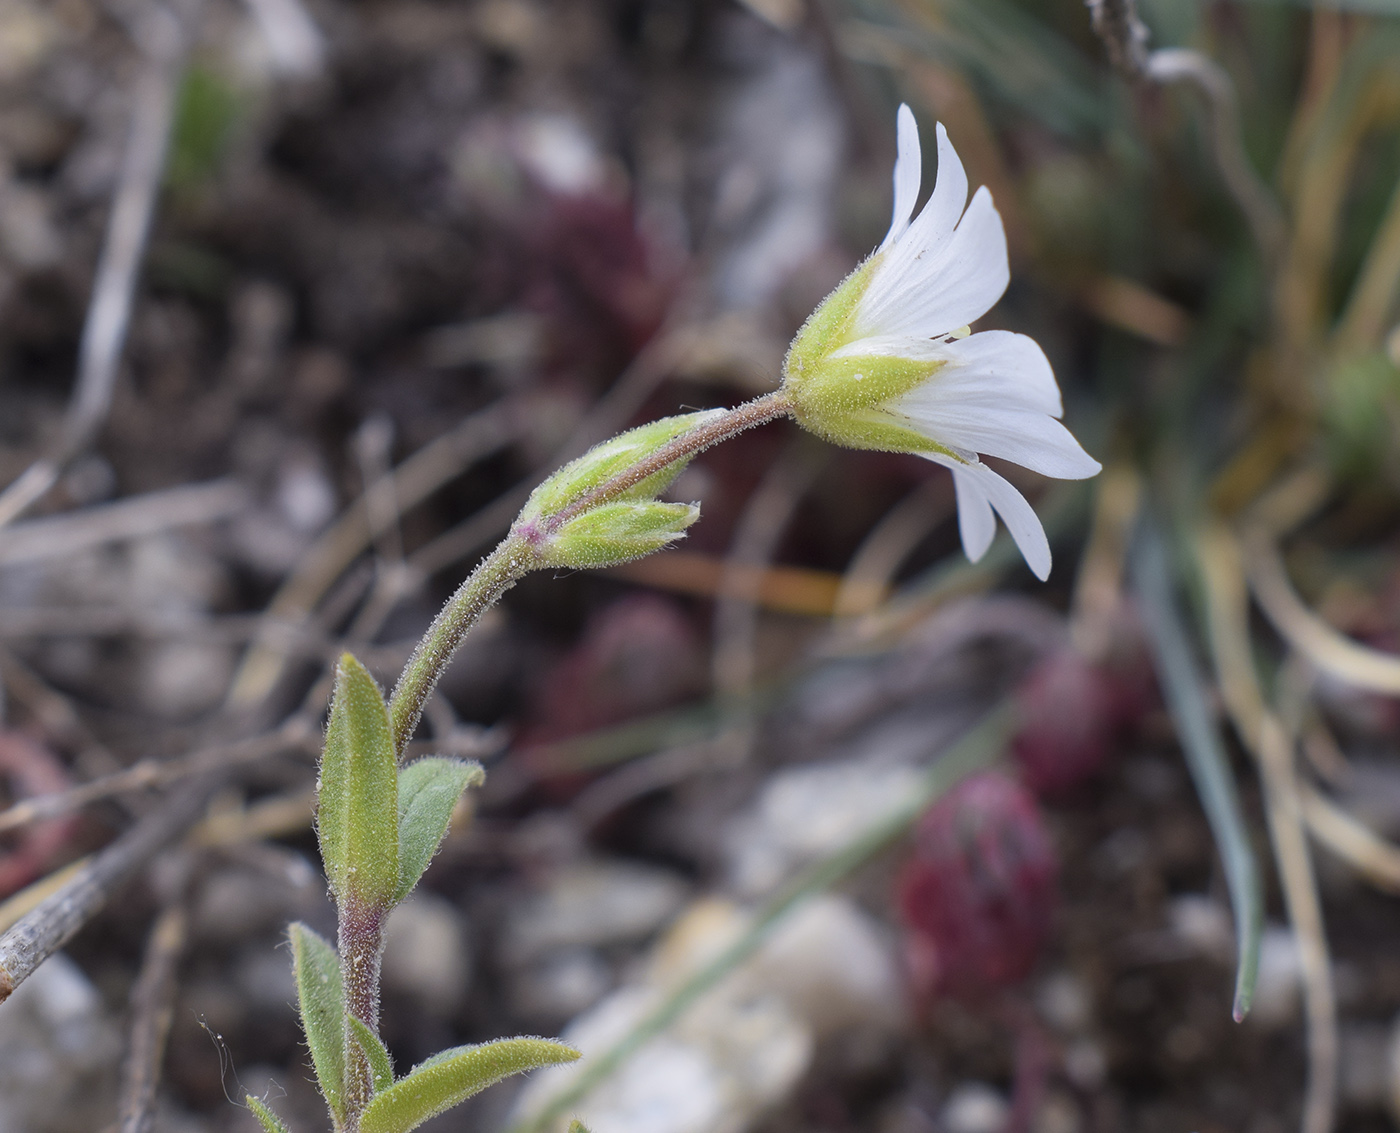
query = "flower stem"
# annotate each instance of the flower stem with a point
(513, 558)
(494, 575)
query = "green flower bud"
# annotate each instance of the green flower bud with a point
(602, 462)
(630, 524)
(616, 533)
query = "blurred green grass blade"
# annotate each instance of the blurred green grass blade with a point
(1184, 689)
(976, 750)
(1022, 61)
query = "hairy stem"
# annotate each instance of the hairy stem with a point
(493, 576)
(361, 948)
(513, 558)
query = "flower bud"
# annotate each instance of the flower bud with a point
(616, 533)
(629, 525)
(604, 461)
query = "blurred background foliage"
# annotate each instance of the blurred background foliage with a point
(455, 241)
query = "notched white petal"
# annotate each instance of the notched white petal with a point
(986, 490)
(945, 287)
(908, 173)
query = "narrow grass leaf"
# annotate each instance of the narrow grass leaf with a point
(357, 813)
(1184, 689)
(321, 999)
(453, 1076)
(380, 1065)
(428, 792)
(269, 1120)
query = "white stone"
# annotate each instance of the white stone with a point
(975, 1107)
(806, 812)
(425, 952)
(593, 903)
(1278, 989)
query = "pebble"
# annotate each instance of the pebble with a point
(590, 904)
(975, 1107)
(1278, 989)
(826, 969)
(1064, 1002)
(54, 1030)
(806, 812)
(426, 955)
(563, 984)
(1058, 1113)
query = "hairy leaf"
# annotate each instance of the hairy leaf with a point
(454, 1075)
(380, 1066)
(321, 999)
(357, 811)
(269, 1120)
(428, 792)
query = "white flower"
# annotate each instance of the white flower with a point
(886, 362)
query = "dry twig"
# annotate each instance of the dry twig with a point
(1263, 733)
(163, 41)
(51, 924)
(152, 1009)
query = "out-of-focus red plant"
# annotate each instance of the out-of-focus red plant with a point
(29, 769)
(638, 655)
(1072, 713)
(978, 894)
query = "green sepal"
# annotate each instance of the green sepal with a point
(269, 1120)
(827, 329)
(577, 1126)
(452, 1076)
(381, 1066)
(606, 460)
(617, 533)
(844, 400)
(428, 793)
(357, 812)
(321, 1000)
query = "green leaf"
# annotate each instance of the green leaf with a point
(270, 1121)
(357, 814)
(428, 792)
(1184, 689)
(321, 999)
(380, 1065)
(577, 1126)
(617, 533)
(454, 1075)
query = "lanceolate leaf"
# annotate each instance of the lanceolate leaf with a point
(453, 1076)
(357, 811)
(380, 1066)
(322, 1001)
(428, 791)
(269, 1120)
